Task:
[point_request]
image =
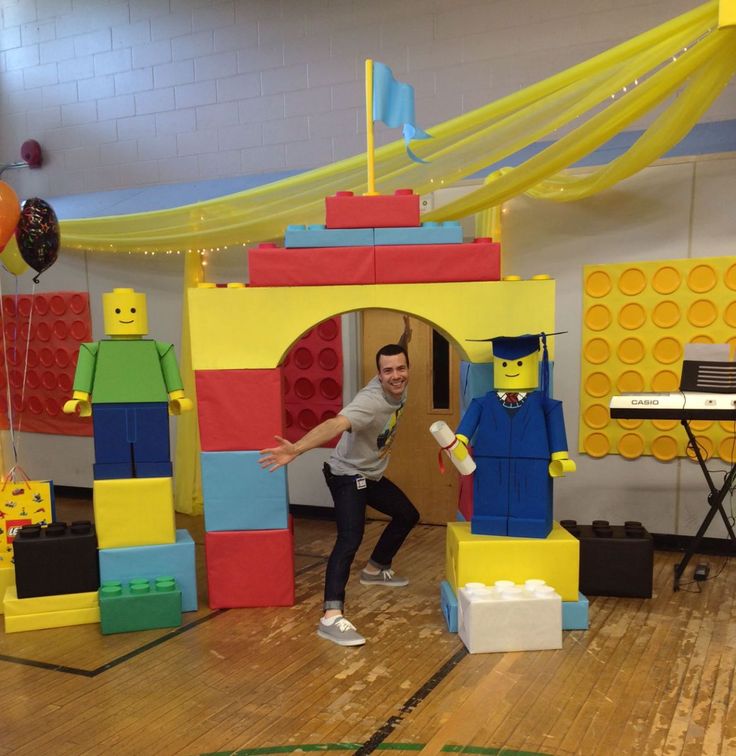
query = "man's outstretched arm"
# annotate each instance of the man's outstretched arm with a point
(285, 451)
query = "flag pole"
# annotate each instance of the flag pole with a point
(369, 152)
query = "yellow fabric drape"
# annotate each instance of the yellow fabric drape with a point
(586, 102)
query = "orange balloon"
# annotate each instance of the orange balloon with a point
(9, 212)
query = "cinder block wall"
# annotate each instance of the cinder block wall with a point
(143, 92)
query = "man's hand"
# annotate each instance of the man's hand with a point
(405, 337)
(560, 465)
(278, 456)
(79, 401)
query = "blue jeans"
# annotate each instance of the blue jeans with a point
(350, 503)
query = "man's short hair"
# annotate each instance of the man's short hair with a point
(390, 350)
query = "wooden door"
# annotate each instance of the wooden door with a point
(433, 395)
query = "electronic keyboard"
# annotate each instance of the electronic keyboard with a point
(680, 405)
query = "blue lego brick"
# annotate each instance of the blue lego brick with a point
(175, 559)
(318, 236)
(104, 471)
(449, 232)
(448, 603)
(239, 495)
(476, 380)
(575, 614)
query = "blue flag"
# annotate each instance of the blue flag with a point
(393, 103)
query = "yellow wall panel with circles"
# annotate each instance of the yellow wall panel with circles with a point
(637, 319)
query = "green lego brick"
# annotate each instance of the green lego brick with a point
(139, 605)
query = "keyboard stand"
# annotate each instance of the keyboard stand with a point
(715, 502)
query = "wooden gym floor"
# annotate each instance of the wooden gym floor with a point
(649, 676)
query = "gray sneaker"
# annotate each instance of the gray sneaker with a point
(341, 632)
(384, 577)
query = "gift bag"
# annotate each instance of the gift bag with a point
(22, 502)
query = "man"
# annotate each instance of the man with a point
(354, 475)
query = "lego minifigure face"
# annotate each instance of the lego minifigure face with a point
(125, 313)
(521, 374)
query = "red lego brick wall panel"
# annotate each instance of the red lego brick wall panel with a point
(346, 210)
(239, 410)
(247, 568)
(313, 379)
(41, 338)
(479, 260)
(269, 265)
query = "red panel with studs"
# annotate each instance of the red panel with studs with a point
(348, 210)
(313, 377)
(41, 338)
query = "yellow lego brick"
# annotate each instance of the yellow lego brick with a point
(460, 311)
(638, 317)
(7, 579)
(45, 620)
(134, 512)
(726, 13)
(18, 607)
(485, 559)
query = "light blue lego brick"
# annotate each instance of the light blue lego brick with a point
(476, 379)
(575, 614)
(449, 232)
(319, 236)
(175, 559)
(448, 603)
(239, 495)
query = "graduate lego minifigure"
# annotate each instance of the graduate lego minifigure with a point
(518, 438)
(129, 385)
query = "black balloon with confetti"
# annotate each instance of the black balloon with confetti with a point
(37, 235)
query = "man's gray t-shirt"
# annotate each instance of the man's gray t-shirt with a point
(365, 448)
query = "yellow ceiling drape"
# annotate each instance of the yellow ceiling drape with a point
(678, 68)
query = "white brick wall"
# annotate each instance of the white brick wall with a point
(134, 92)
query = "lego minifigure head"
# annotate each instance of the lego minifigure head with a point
(125, 313)
(516, 362)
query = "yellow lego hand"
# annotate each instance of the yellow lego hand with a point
(179, 403)
(80, 403)
(560, 465)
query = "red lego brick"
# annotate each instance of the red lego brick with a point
(479, 260)
(269, 265)
(239, 410)
(250, 567)
(347, 210)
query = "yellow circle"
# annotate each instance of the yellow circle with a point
(666, 314)
(598, 384)
(631, 445)
(667, 350)
(701, 278)
(631, 350)
(632, 281)
(598, 318)
(730, 315)
(632, 316)
(665, 425)
(596, 445)
(729, 426)
(596, 416)
(597, 351)
(664, 448)
(598, 284)
(630, 381)
(727, 450)
(702, 313)
(706, 448)
(665, 381)
(666, 280)
(630, 424)
(730, 277)
(701, 338)
(700, 425)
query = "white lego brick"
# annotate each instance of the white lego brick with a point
(509, 617)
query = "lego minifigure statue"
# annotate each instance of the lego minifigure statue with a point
(129, 385)
(518, 438)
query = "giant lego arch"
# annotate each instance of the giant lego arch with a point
(239, 337)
